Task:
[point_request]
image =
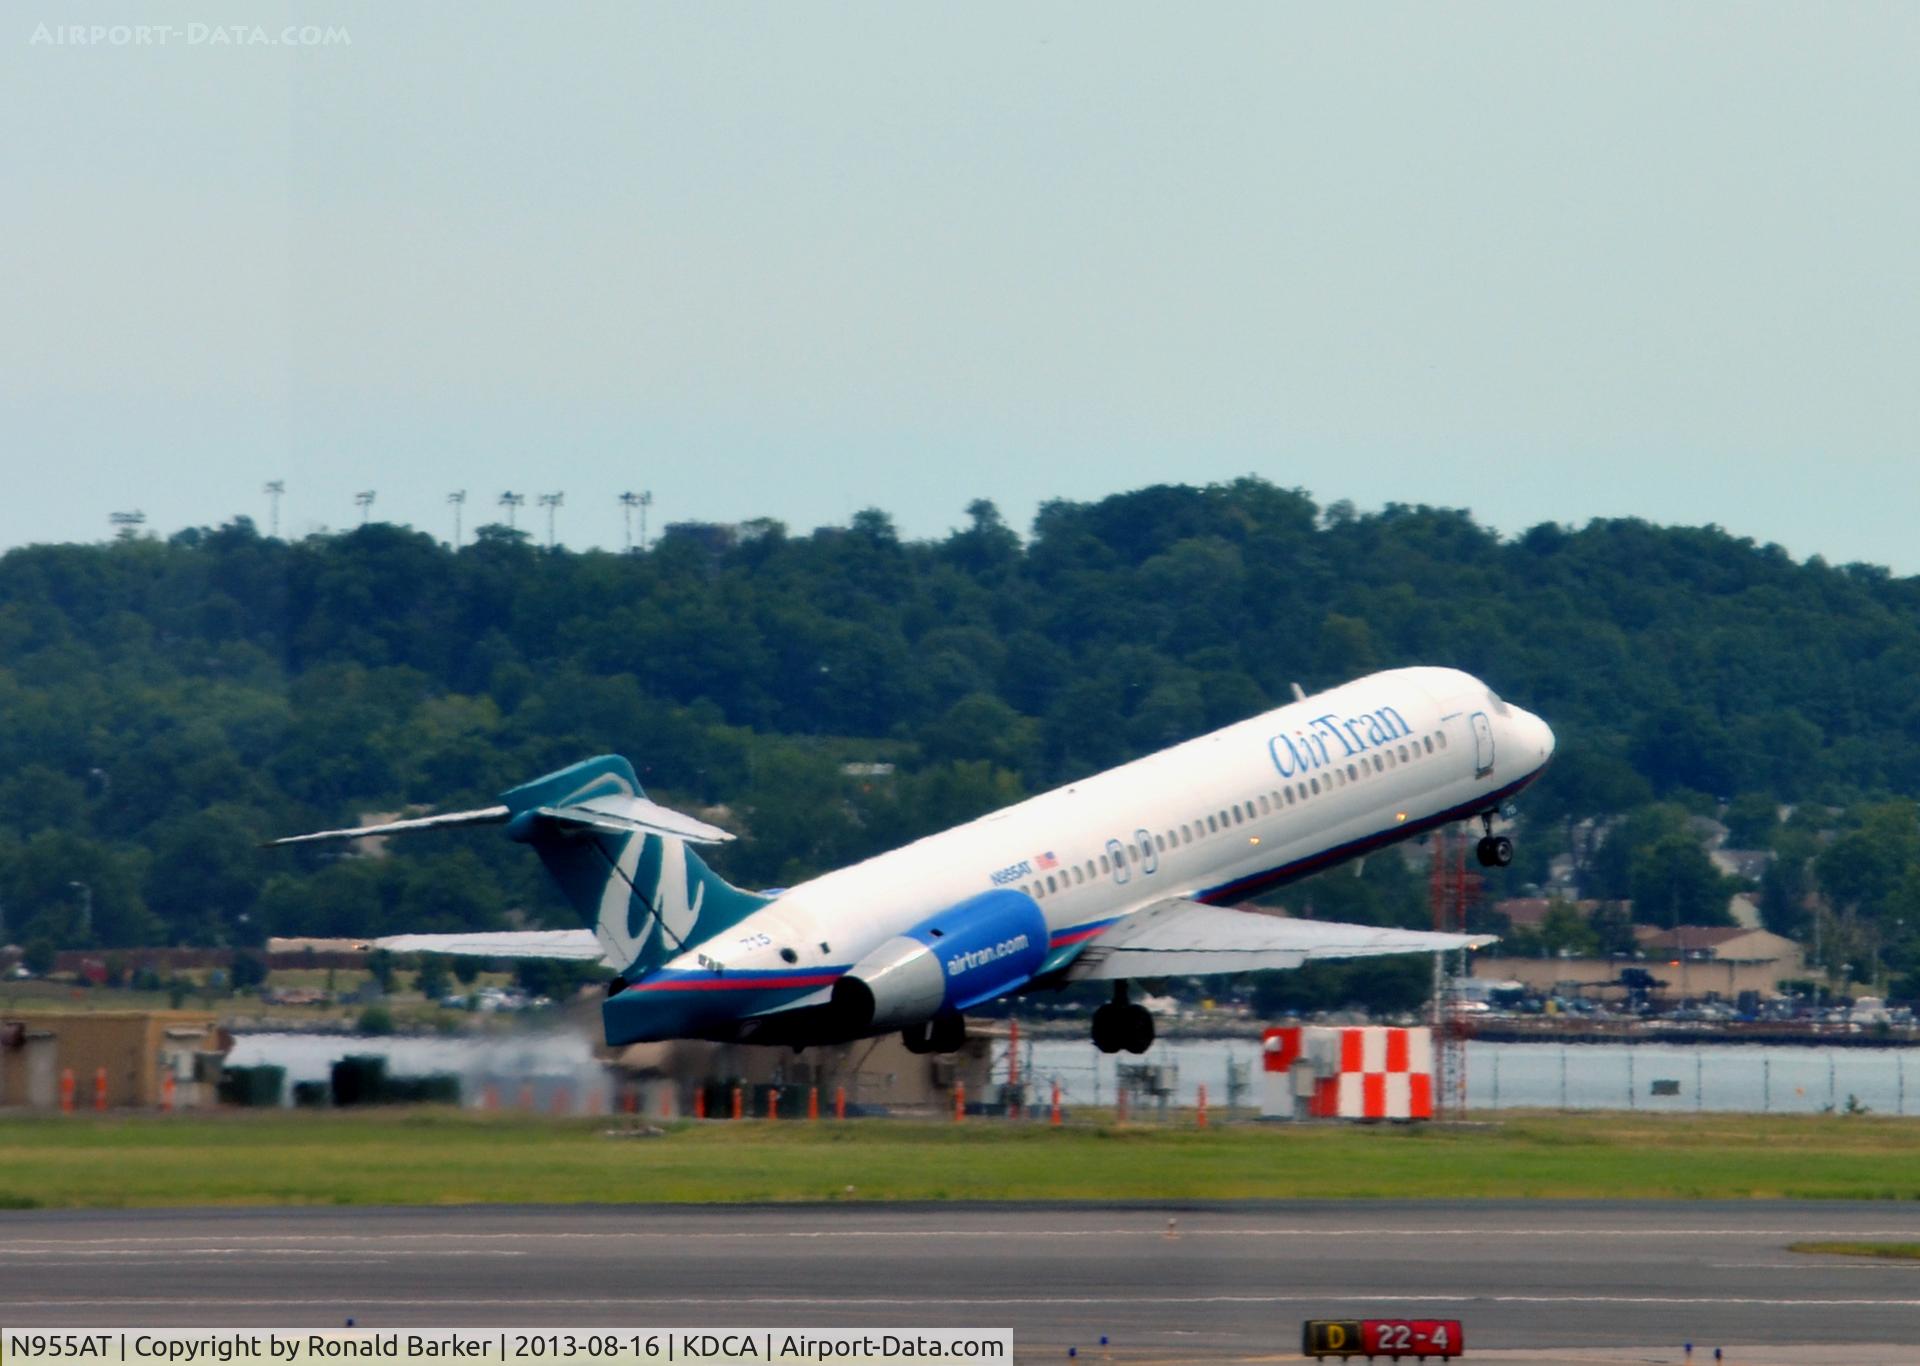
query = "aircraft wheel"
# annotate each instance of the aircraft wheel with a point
(1502, 850)
(915, 1037)
(946, 1034)
(1139, 1030)
(1108, 1028)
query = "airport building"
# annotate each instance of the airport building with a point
(688, 1077)
(110, 1059)
(1688, 962)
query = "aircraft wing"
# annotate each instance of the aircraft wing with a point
(574, 945)
(1183, 938)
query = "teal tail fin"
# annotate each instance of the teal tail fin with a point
(625, 863)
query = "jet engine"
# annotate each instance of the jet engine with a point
(971, 952)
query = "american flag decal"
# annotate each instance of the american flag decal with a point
(1046, 861)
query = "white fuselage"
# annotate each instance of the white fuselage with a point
(1216, 819)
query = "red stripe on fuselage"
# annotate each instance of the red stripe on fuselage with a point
(805, 979)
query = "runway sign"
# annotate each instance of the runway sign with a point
(1394, 1338)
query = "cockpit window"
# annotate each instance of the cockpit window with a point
(1499, 707)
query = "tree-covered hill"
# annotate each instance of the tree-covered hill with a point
(165, 704)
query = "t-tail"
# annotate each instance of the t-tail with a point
(624, 862)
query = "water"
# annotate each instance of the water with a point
(556, 1068)
(1734, 1078)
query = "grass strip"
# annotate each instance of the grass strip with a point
(428, 1156)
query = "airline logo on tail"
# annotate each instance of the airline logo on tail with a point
(632, 913)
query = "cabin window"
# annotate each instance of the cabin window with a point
(1264, 808)
(1315, 784)
(1211, 826)
(1403, 754)
(1078, 876)
(1050, 886)
(1105, 867)
(1351, 775)
(1379, 764)
(1186, 833)
(1091, 870)
(1442, 737)
(1289, 796)
(1160, 841)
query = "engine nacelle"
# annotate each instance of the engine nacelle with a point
(971, 952)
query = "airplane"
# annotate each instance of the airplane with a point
(1127, 875)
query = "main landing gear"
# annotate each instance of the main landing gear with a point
(941, 1034)
(1120, 1024)
(1493, 851)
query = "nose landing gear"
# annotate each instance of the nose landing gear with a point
(1493, 851)
(1120, 1024)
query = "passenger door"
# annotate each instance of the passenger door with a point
(1482, 744)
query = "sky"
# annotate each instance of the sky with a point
(1545, 262)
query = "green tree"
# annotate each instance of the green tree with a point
(1612, 928)
(1563, 930)
(39, 955)
(1861, 869)
(1674, 883)
(249, 971)
(1751, 819)
(432, 981)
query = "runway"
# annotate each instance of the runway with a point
(1532, 1281)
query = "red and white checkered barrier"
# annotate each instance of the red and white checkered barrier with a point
(1354, 1071)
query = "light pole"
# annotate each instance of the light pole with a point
(273, 488)
(364, 501)
(86, 909)
(458, 498)
(628, 502)
(128, 524)
(550, 501)
(511, 502)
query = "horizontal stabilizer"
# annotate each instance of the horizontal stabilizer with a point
(573, 945)
(1182, 938)
(489, 815)
(628, 815)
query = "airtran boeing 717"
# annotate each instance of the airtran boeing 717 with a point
(1128, 874)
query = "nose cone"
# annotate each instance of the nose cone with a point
(1536, 737)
